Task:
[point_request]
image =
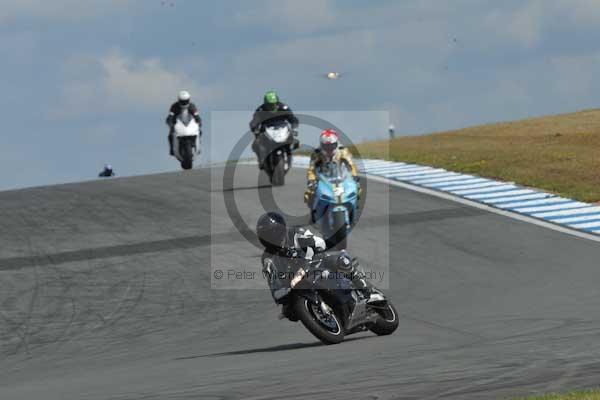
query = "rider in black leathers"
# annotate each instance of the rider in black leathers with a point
(107, 172)
(272, 110)
(287, 249)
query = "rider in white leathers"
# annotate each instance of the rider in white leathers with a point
(183, 103)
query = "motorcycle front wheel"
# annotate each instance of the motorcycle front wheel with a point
(324, 325)
(187, 155)
(278, 176)
(339, 238)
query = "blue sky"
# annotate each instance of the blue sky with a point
(89, 82)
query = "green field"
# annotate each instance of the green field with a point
(559, 154)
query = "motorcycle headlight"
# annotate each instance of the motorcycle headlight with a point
(338, 191)
(278, 135)
(297, 277)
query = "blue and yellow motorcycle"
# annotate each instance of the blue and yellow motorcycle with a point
(334, 206)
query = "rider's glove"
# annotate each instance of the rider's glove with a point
(310, 190)
(307, 195)
(290, 252)
(357, 180)
(320, 243)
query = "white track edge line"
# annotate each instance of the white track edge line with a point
(481, 206)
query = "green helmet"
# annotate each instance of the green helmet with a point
(271, 100)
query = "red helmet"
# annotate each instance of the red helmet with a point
(329, 142)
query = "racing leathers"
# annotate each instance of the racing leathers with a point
(174, 112)
(300, 247)
(281, 113)
(106, 173)
(317, 159)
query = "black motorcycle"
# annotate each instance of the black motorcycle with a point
(329, 301)
(277, 139)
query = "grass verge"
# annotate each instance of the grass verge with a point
(560, 153)
(583, 395)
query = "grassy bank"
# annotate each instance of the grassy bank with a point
(584, 395)
(560, 153)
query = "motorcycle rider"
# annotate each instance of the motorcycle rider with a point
(107, 172)
(293, 247)
(330, 150)
(183, 103)
(272, 110)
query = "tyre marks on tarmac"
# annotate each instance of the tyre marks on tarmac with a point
(195, 241)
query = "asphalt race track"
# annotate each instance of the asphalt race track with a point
(105, 294)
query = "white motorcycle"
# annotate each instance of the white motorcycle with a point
(186, 140)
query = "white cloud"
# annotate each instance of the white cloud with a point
(349, 50)
(144, 83)
(526, 23)
(119, 82)
(580, 12)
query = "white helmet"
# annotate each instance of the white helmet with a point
(184, 97)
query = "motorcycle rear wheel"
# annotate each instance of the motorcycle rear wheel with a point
(387, 322)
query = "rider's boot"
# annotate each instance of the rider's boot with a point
(257, 150)
(170, 139)
(368, 290)
(286, 312)
(261, 157)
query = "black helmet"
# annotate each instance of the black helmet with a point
(271, 230)
(344, 261)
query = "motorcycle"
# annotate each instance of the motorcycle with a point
(329, 301)
(335, 203)
(278, 141)
(186, 140)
